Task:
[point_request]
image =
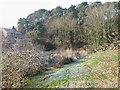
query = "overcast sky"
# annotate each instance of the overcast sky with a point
(12, 10)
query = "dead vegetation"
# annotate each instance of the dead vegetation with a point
(19, 65)
(63, 60)
(20, 62)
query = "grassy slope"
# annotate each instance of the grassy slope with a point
(104, 69)
(98, 71)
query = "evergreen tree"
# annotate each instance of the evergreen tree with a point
(13, 27)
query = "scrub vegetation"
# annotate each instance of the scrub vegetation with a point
(67, 48)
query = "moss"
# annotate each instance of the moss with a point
(66, 66)
(57, 83)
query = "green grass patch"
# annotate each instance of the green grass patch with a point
(102, 57)
(55, 83)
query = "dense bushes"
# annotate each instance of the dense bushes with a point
(18, 65)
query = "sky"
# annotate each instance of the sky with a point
(12, 10)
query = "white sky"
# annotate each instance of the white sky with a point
(12, 10)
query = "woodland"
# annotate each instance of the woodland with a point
(93, 25)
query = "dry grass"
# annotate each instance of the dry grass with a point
(77, 54)
(104, 74)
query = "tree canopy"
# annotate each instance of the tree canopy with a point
(84, 24)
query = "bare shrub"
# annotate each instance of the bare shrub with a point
(63, 60)
(18, 65)
(74, 54)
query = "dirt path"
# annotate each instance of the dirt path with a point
(57, 77)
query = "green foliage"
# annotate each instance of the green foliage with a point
(13, 27)
(91, 24)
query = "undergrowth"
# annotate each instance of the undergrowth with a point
(16, 66)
